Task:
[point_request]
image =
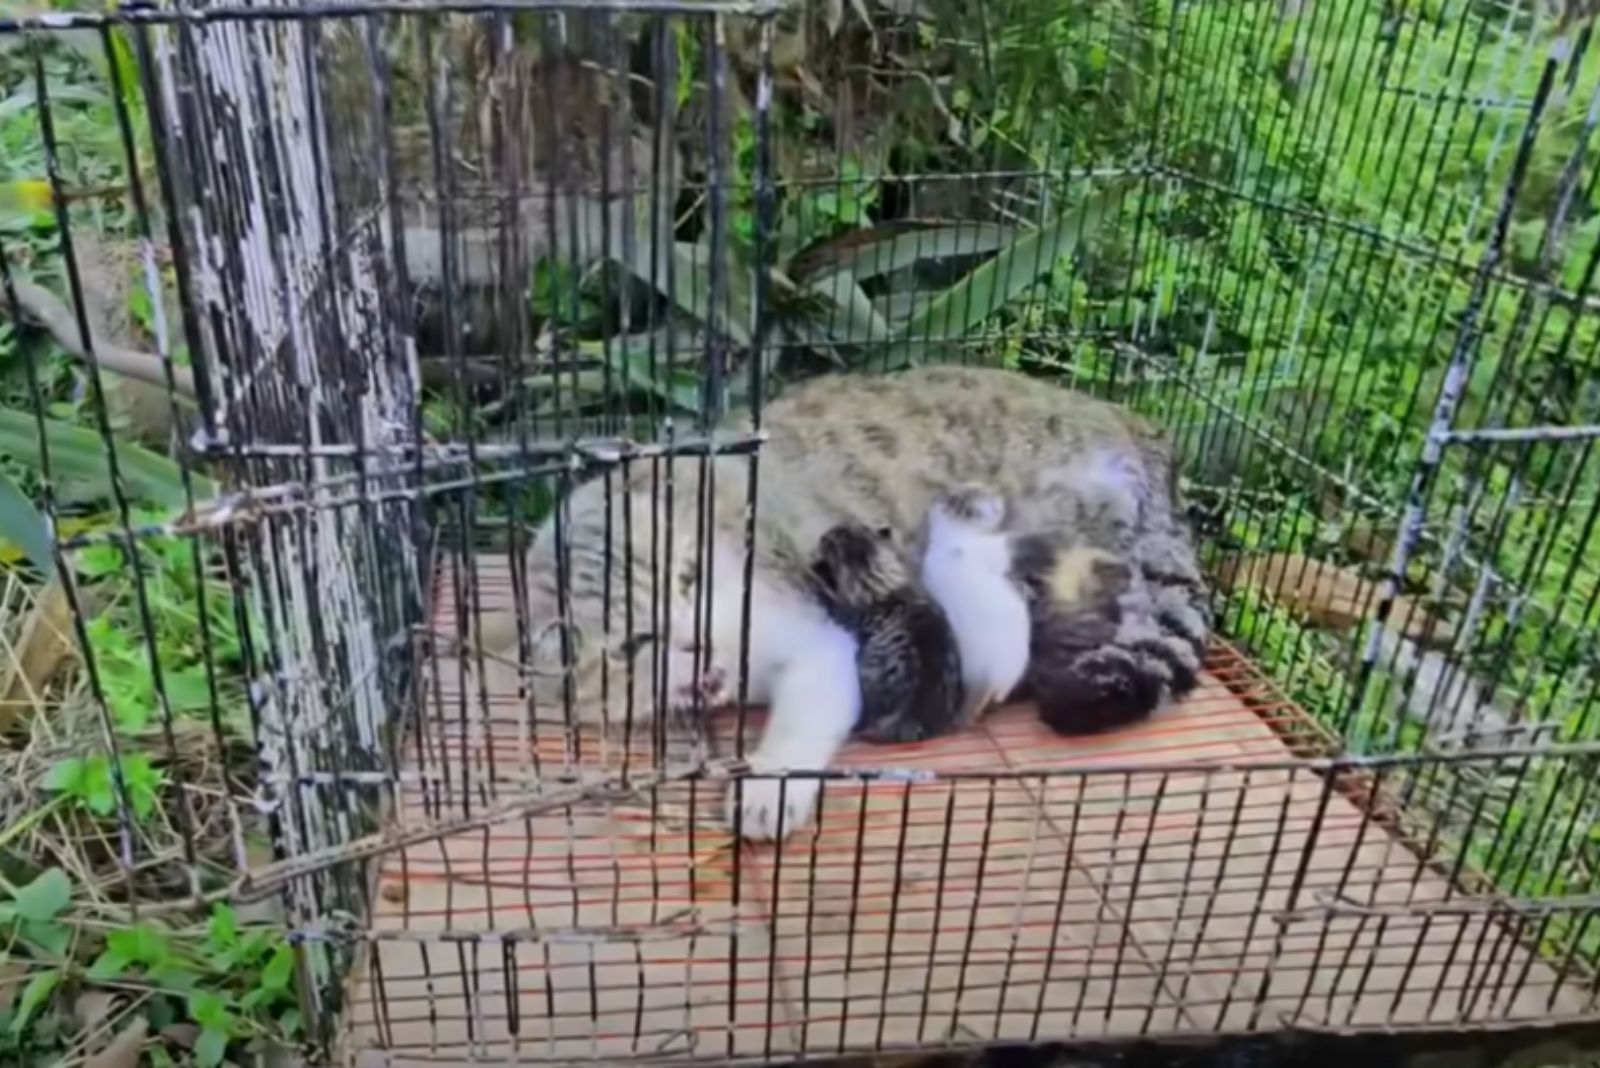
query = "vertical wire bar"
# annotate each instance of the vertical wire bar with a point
(1242, 967)
(1152, 163)
(630, 624)
(1366, 820)
(1293, 902)
(894, 911)
(511, 986)
(1023, 901)
(66, 575)
(663, 266)
(1103, 904)
(765, 255)
(611, 403)
(382, 1014)
(1582, 804)
(143, 229)
(977, 907)
(1477, 976)
(1258, 386)
(332, 676)
(433, 79)
(811, 916)
(1125, 940)
(1056, 928)
(127, 541)
(857, 867)
(1194, 851)
(383, 98)
(938, 909)
(1460, 365)
(775, 919)
(1568, 961)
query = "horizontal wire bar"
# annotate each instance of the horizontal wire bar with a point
(140, 13)
(595, 450)
(1496, 435)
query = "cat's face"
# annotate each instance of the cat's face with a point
(856, 564)
(610, 643)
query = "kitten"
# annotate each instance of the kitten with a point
(966, 568)
(868, 448)
(1078, 676)
(908, 664)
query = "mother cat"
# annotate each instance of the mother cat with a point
(1091, 479)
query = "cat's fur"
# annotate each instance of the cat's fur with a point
(841, 448)
(967, 568)
(1082, 679)
(908, 665)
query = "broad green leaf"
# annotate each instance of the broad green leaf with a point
(49, 939)
(631, 356)
(892, 247)
(684, 277)
(209, 1010)
(78, 455)
(97, 561)
(45, 897)
(23, 526)
(34, 995)
(224, 928)
(850, 318)
(177, 975)
(188, 690)
(279, 970)
(142, 944)
(1013, 271)
(109, 965)
(210, 1048)
(143, 780)
(67, 775)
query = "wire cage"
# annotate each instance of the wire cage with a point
(418, 280)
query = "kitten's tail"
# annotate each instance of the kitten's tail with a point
(1115, 636)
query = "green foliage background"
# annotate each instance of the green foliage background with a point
(1269, 225)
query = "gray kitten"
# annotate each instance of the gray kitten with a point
(1083, 677)
(908, 663)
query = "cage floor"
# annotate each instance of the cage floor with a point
(1099, 891)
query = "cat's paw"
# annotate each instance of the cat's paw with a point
(709, 690)
(714, 687)
(897, 730)
(769, 809)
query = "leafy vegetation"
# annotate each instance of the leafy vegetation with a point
(215, 985)
(1272, 227)
(182, 986)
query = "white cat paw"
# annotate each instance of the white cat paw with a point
(770, 809)
(710, 690)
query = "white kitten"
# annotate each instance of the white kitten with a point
(966, 568)
(802, 666)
